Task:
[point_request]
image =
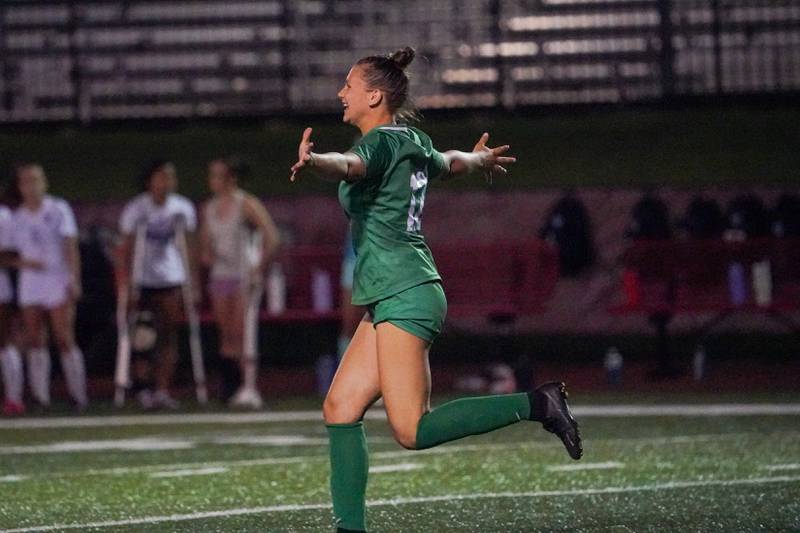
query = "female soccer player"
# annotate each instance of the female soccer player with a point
(237, 241)
(160, 213)
(384, 178)
(10, 359)
(46, 240)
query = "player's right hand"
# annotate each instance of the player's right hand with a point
(303, 155)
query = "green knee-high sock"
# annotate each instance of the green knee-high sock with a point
(349, 468)
(471, 416)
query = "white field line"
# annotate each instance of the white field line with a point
(714, 409)
(148, 444)
(143, 444)
(381, 469)
(608, 465)
(189, 472)
(401, 454)
(12, 478)
(400, 467)
(777, 468)
(671, 485)
(282, 440)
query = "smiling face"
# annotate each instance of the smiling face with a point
(358, 100)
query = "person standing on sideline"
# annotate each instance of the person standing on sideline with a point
(160, 213)
(10, 358)
(382, 185)
(238, 239)
(45, 237)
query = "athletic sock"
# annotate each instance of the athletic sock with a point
(249, 372)
(470, 416)
(74, 369)
(39, 374)
(349, 469)
(13, 375)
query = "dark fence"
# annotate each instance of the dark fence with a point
(90, 60)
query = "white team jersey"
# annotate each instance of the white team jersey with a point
(40, 235)
(5, 228)
(6, 293)
(161, 264)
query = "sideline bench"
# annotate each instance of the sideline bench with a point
(662, 279)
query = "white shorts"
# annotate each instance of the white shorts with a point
(43, 289)
(6, 290)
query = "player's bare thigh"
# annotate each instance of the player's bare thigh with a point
(356, 384)
(33, 321)
(405, 379)
(62, 323)
(229, 316)
(6, 316)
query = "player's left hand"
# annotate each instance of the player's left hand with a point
(492, 159)
(303, 155)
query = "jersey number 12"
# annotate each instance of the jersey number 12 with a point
(419, 183)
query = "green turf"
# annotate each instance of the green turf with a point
(677, 474)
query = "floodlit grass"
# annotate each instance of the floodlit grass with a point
(656, 473)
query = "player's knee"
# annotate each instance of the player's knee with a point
(64, 345)
(34, 339)
(340, 411)
(405, 438)
(405, 435)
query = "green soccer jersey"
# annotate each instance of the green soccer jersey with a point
(385, 211)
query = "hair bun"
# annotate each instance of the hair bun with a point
(403, 57)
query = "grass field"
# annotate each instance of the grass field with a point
(650, 466)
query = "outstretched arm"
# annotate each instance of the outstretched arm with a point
(488, 161)
(331, 166)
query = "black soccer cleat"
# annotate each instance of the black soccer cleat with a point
(553, 412)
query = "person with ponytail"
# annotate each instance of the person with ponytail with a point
(382, 184)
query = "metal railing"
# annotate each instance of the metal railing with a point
(88, 60)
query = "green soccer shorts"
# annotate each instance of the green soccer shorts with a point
(420, 310)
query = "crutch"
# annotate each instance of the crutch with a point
(124, 318)
(195, 348)
(253, 285)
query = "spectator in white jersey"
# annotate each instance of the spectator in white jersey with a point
(10, 358)
(156, 269)
(237, 241)
(45, 237)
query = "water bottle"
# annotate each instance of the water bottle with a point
(737, 283)
(699, 363)
(632, 287)
(613, 365)
(276, 290)
(321, 291)
(762, 283)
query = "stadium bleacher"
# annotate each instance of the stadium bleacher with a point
(89, 59)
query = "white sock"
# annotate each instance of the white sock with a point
(249, 373)
(39, 374)
(75, 375)
(13, 375)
